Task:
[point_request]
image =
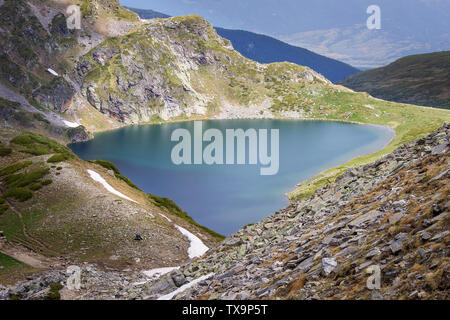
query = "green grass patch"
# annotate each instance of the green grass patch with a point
(4, 151)
(3, 208)
(58, 158)
(20, 194)
(111, 166)
(12, 271)
(21, 180)
(47, 182)
(173, 208)
(54, 292)
(14, 168)
(35, 186)
(9, 262)
(37, 144)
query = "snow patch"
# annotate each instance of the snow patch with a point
(197, 248)
(53, 72)
(168, 219)
(169, 296)
(156, 273)
(96, 177)
(71, 124)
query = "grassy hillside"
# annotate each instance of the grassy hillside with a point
(52, 208)
(419, 79)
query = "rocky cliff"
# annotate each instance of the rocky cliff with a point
(118, 69)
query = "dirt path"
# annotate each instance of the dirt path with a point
(38, 242)
(27, 256)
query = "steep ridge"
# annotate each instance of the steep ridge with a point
(420, 79)
(265, 49)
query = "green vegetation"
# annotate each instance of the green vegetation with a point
(14, 167)
(37, 144)
(4, 151)
(12, 269)
(20, 194)
(16, 183)
(54, 292)
(111, 166)
(18, 179)
(35, 186)
(46, 182)
(59, 157)
(24, 179)
(3, 206)
(172, 207)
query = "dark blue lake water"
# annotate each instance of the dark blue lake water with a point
(227, 197)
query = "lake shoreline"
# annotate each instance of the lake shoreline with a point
(287, 194)
(143, 153)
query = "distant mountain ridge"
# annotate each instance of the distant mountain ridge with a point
(265, 49)
(147, 13)
(419, 79)
(336, 29)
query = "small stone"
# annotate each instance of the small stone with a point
(422, 295)
(376, 295)
(138, 237)
(439, 217)
(425, 235)
(395, 218)
(364, 265)
(370, 217)
(178, 278)
(440, 235)
(440, 149)
(328, 265)
(396, 247)
(373, 253)
(413, 294)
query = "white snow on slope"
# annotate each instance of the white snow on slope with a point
(96, 177)
(71, 124)
(156, 273)
(169, 296)
(53, 72)
(197, 248)
(168, 219)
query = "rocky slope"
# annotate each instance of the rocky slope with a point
(121, 70)
(421, 79)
